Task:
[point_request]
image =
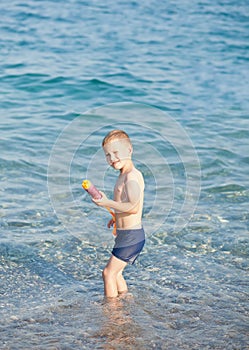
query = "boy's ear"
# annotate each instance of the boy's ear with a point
(130, 149)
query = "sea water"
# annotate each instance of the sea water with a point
(175, 76)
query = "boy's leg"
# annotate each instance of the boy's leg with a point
(110, 274)
(121, 284)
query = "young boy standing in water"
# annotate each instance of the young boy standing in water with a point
(128, 205)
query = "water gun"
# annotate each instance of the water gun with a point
(94, 192)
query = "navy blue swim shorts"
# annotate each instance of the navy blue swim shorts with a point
(128, 244)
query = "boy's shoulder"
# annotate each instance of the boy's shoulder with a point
(134, 174)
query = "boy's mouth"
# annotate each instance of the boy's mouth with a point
(115, 163)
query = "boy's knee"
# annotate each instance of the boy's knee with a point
(107, 273)
(104, 273)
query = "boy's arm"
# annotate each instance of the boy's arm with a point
(133, 193)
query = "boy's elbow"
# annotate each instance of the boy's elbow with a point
(133, 210)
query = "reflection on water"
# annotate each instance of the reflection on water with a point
(119, 329)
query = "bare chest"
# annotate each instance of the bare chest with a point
(119, 190)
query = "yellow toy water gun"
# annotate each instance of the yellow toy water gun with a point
(94, 192)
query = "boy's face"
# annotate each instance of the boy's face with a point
(117, 153)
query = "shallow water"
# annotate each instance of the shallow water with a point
(175, 77)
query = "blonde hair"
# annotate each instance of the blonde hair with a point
(115, 135)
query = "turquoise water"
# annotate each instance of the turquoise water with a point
(175, 76)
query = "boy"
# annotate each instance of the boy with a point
(128, 206)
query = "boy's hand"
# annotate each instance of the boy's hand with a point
(110, 223)
(103, 201)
